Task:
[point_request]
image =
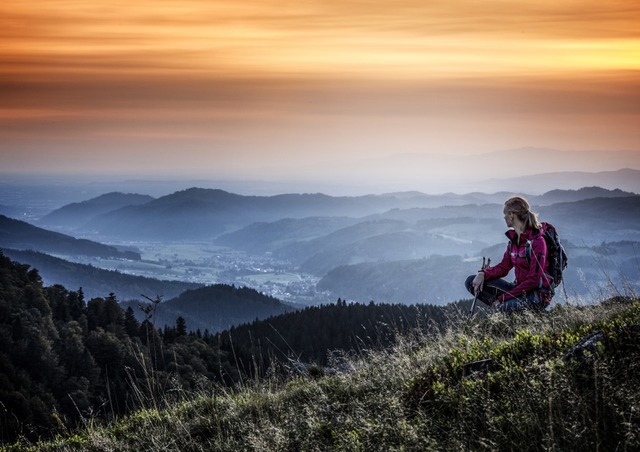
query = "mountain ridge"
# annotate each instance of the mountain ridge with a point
(76, 214)
(95, 282)
(205, 214)
(21, 235)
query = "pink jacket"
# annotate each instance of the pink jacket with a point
(530, 272)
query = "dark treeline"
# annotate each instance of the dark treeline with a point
(64, 360)
(310, 335)
(216, 307)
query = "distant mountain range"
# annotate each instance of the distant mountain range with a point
(199, 214)
(203, 214)
(624, 179)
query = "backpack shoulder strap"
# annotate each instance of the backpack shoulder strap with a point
(529, 244)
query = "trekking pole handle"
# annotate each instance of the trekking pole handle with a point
(485, 264)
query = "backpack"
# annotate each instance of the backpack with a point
(556, 256)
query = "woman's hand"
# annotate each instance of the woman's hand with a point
(478, 282)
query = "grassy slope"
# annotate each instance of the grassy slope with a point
(420, 395)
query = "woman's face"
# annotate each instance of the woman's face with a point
(508, 217)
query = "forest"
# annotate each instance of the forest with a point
(65, 360)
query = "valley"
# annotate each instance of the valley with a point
(206, 264)
(307, 250)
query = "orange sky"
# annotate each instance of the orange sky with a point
(277, 88)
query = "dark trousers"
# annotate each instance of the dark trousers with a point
(495, 287)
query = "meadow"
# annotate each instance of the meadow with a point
(564, 380)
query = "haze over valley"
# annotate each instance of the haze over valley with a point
(310, 249)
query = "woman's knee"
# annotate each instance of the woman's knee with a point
(469, 283)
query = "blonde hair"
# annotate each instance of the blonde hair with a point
(521, 208)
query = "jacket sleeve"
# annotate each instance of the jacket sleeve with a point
(532, 277)
(502, 269)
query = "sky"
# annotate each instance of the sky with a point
(322, 91)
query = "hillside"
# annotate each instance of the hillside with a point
(24, 236)
(377, 242)
(593, 273)
(588, 220)
(554, 196)
(215, 308)
(73, 216)
(312, 335)
(563, 381)
(318, 245)
(264, 237)
(96, 282)
(435, 280)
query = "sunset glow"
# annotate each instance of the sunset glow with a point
(239, 88)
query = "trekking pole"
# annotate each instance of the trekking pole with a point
(475, 298)
(473, 306)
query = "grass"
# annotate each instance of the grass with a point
(530, 388)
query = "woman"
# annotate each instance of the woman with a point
(526, 252)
